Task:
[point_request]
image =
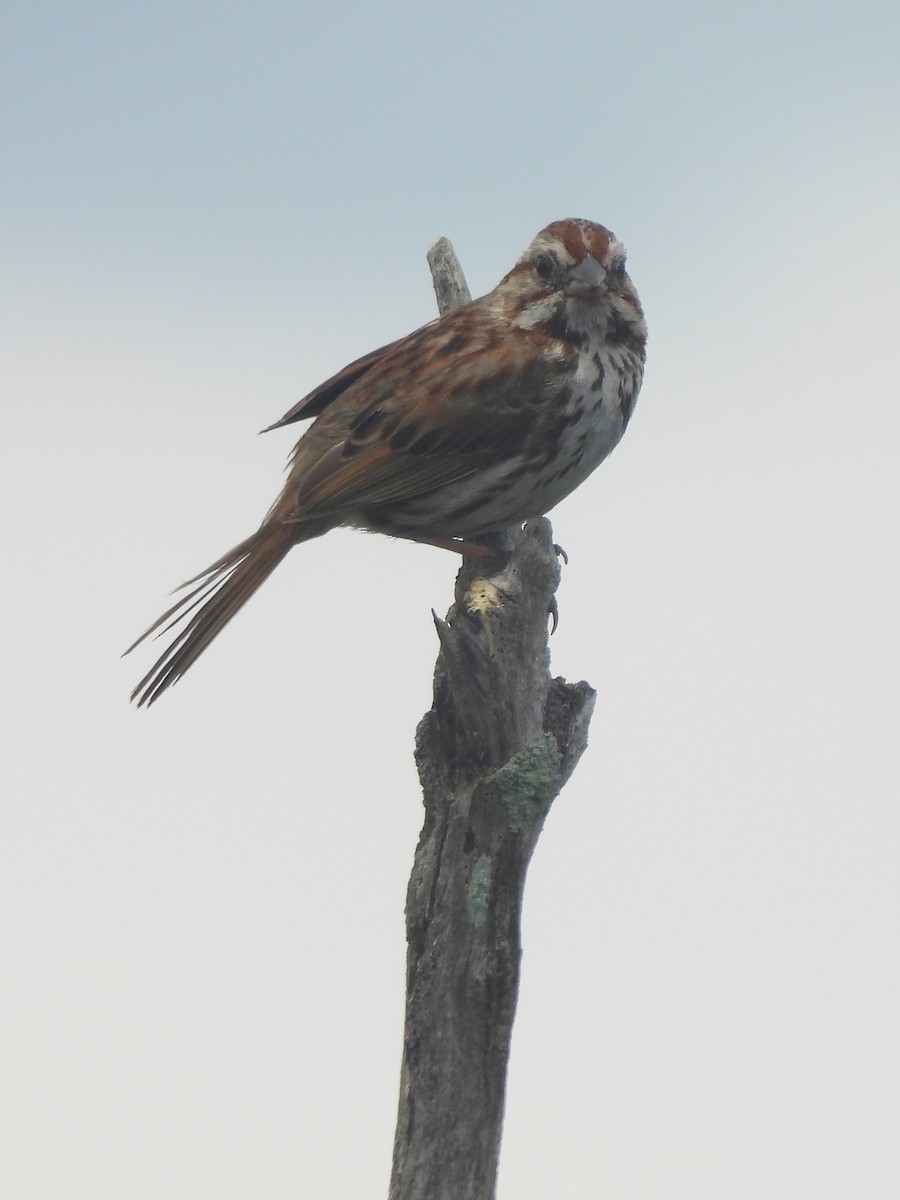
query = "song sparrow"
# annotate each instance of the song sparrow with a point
(479, 420)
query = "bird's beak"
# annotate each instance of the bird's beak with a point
(587, 276)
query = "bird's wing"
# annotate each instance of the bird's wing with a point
(435, 410)
(315, 402)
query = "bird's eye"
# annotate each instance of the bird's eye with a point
(544, 265)
(617, 270)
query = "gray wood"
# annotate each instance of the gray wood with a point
(499, 742)
(450, 287)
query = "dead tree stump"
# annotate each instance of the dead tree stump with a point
(501, 739)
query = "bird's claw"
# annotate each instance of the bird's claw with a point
(553, 614)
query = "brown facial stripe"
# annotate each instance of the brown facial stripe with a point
(582, 237)
(598, 240)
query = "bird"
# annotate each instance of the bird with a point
(482, 419)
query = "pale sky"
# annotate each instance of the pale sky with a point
(206, 210)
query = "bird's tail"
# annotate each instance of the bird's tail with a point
(220, 591)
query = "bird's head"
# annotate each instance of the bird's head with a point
(572, 281)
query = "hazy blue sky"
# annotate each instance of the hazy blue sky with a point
(206, 209)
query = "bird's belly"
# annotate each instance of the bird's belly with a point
(565, 446)
(507, 492)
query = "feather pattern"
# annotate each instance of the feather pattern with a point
(480, 419)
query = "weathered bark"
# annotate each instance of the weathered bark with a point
(501, 739)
